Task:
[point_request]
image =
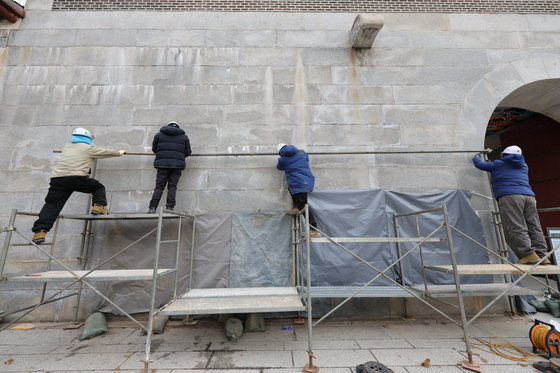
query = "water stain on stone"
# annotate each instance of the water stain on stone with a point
(156, 344)
(222, 360)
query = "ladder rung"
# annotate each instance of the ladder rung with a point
(168, 241)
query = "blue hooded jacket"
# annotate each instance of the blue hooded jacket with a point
(509, 175)
(295, 162)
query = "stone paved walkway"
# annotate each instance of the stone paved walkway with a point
(339, 346)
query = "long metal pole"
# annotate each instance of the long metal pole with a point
(85, 242)
(7, 242)
(49, 262)
(322, 153)
(309, 367)
(154, 284)
(193, 238)
(500, 235)
(177, 250)
(458, 285)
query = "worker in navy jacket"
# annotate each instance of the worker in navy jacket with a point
(171, 146)
(295, 163)
(510, 182)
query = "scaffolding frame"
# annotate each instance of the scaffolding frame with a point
(424, 293)
(83, 276)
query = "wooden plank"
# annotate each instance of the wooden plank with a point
(221, 305)
(6, 13)
(13, 7)
(240, 292)
(497, 269)
(97, 275)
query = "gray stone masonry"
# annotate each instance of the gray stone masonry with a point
(338, 346)
(243, 82)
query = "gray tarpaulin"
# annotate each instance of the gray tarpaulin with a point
(254, 249)
(134, 296)
(261, 250)
(363, 213)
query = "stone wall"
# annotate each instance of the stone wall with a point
(243, 82)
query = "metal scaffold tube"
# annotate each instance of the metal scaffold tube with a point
(397, 152)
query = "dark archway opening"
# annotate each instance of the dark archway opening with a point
(539, 137)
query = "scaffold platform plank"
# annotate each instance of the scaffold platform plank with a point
(235, 300)
(375, 239)
(97, 275)
(121, 216)
(497, 269)
(439, 291)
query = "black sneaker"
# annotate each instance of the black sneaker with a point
(152, 210)
(169, 208)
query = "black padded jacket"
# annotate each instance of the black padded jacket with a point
(171, 146)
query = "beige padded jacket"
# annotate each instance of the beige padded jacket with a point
(77, 158)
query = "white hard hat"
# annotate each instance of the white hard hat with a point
(280, 146)
(173, 124)
(514, 149)
(82, 132)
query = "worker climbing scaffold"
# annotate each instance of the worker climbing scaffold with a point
(71, 175)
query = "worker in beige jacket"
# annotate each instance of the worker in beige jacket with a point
(71, 175)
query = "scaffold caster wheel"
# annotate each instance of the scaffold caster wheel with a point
(471, 366)
(310, 369)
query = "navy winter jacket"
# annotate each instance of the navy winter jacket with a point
(171, 146)
(295, 162)
(509, 175)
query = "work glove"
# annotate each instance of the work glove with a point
(121, 152)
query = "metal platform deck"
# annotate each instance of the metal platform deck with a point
(121, 216)
(97, 275)
(235, 300)
(439, 291)
(497, 269)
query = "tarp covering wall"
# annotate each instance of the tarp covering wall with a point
(369, 213)
(254, 249)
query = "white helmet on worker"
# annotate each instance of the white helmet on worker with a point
(513, 149)
(279, 146)
(82, 132)
(173, 124)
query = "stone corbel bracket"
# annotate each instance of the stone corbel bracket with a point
(365, 29)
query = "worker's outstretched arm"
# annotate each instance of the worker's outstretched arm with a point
(99, 152)
(482, 165)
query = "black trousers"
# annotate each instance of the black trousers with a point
(60, 189)
(300, 200)
(169, 177)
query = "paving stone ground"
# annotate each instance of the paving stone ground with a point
(339, 345)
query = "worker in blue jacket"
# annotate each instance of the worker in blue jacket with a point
(295, 163)
(510, 182)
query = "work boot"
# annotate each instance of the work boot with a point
(546, 261)
(98, 210)
(39, 237)
(314, 234)
(529, 259)
(152, 210)
(169, 208)
(294, 211)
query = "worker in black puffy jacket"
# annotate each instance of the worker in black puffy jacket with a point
(171, 146)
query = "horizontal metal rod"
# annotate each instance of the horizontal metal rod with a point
(418, 212)
(45, 302)
(550, 209)
(320, 153)
(375, 239)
